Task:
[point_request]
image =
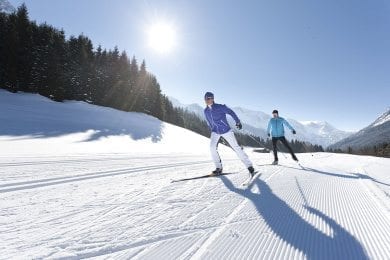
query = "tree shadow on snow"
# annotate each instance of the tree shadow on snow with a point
(93, 124)
(294, 230)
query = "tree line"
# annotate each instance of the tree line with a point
(40, 59)
(381, 150)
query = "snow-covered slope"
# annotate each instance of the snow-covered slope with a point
(29, 121)
(6, 7)
(376, 133)
(81, 181)
(255, 122)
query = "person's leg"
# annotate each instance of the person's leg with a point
(214, 138)
(274, 141)
(285, 143)
(231, 139)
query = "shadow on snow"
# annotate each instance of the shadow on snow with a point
(339, 175)
(294, 230)
(64, 119)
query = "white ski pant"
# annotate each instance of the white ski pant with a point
(231, 139)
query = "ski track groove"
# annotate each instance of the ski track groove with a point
(199, 213)
(76, 178)
(203, 248)
(363, 213)
(359, 228)
(80, 160)
(372, 235)
(281, 251)
(162, 224)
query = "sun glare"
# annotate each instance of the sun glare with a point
(162, 37)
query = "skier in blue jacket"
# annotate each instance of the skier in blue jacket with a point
(216, 119)
(276, 130)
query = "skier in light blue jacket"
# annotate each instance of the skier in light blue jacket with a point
(276, 130)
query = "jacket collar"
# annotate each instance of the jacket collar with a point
(211, 106)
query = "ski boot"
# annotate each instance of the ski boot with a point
(295, 158)
(275, 162)
(251, 171)
(217, 172)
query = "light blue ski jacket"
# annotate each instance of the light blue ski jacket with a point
(276, 126)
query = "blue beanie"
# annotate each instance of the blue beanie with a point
(208, 95)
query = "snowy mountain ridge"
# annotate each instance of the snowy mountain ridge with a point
(378, 132)
(256, 122)
(6, 7)
(385, 117)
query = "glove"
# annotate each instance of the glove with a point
(269, 135)
(294, 132)
(239, 126)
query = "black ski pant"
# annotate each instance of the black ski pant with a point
(284, 142)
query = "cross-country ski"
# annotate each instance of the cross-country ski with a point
(202, 177)
(249, 180)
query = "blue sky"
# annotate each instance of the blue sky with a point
(312, 60)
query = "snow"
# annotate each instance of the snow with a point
(385, 117)
(69, 191)
(31, 121)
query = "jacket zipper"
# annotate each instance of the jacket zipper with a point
(277, 133)
(212, 119)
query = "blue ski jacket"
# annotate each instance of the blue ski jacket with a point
(216, 118)
(276, 126)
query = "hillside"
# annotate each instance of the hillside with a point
(378, 132)
(32, 124)
(83, 181)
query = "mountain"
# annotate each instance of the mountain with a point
(84, 181)
(377, 132)
(255, 122)
(6, 7)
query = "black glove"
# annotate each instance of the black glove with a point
(269, 135)
(294, 132)
(239, 126)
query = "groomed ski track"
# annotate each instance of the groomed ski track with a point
(125, 207)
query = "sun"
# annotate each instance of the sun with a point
(161, 37)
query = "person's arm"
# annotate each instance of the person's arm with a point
(232, 114)
(269, 128)
(288, 125)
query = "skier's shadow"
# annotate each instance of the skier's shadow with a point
(294, 230)
(354, 176)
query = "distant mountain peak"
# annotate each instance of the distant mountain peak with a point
(382, 119)
(376, 133)
(6, 7)
(313, 122)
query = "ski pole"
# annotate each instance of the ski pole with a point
(277, 147)
(250, 135)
